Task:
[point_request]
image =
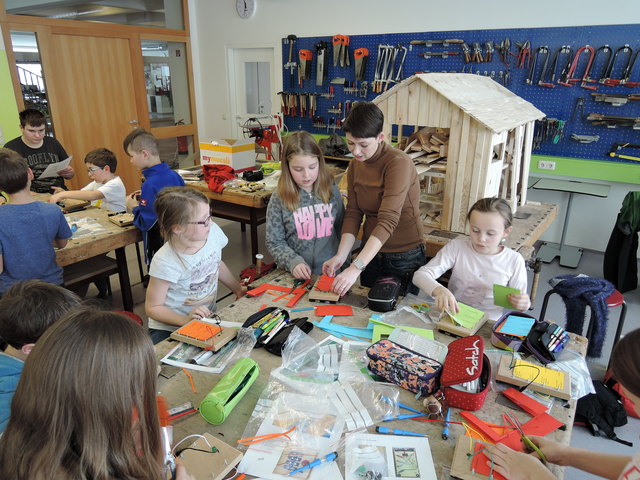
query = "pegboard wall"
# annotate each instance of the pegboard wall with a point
(561, 102)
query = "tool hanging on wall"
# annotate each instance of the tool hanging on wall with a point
(616, 100)
(291, 65)
(564, 74)
(429, 43)
(532, 67)
(611, 121)
(322, 66)
(361, 56)
(504, 49)
(402, 58)
(488, 51)
(304, 72)
(620, 52)
(585, 138)
(344, 51)
(571, 76)
(616, 147)
(524, 54)
(437, 54)
(606, 51)
(626, 75)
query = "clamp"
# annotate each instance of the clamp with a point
(570, 79)
(614, 82)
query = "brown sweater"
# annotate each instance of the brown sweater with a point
(385, 189)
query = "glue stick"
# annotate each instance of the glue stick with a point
(259, 258)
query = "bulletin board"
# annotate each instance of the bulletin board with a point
(569, 105)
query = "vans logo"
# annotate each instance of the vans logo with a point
(473, 353)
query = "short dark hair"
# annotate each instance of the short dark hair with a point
(365, 120)
(28, 308)
(138, 140)
(14, 174)
(32, 117)
(101, 157)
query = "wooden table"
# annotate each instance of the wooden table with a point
(177, 389)
(112, 238)
(244, 207)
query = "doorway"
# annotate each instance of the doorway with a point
(252, 86)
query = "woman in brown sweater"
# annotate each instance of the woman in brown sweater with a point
(383, 188)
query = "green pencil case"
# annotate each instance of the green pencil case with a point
(219, 402)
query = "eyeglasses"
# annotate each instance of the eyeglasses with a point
(206, 222)
(93, 169)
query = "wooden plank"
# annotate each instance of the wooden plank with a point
(257, 199)
(481, 161)
(445, 114)
(392, 111)
(526, 162)
(514, 168)
(458, 152)
(463, 186)
(402, 106)
(423, 110)
(414, 91)
(384, 108)
(435, 108)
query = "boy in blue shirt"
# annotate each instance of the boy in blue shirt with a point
(27, 309)
(28, 229)
(142, 147)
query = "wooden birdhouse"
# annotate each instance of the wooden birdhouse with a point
(472, 139)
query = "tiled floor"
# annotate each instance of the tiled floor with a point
(237, 256)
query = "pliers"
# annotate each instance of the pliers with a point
(524, 54)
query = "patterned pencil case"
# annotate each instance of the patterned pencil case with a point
(404, 367)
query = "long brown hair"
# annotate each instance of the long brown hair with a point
(85, 382)
(625, 362)
(176, 206)
(302, 143)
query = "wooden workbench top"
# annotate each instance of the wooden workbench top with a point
(258, 199)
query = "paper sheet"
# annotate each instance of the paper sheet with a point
(540, 375)
(468, 316)
(500, 293)
(395, 457)
(53, 169)
(517, 326)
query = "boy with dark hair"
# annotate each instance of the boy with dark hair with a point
(28, 229)
(40, 151)
(27, 309)
(106, 190)
(142, 147)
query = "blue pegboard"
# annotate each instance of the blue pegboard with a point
(558, 102)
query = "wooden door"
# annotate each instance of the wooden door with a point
(93, 99)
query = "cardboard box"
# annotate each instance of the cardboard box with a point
(238, 154)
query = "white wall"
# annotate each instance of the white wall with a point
(215, 26)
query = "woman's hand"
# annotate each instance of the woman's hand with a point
(519, 301)
(241, 292)
(517, 465)
(343, 282)
(301, 270)
(445, 300)
(199, 312)
(331, 266)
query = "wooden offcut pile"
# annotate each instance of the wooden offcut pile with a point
(427, 145)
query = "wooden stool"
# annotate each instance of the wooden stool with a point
(614, 300)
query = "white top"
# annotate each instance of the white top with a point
(114, 194)
(473, 274)
(632, 470)
(193, 278)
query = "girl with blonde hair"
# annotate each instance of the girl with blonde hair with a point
(85, 407)
(304, 216)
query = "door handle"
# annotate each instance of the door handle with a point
(133, 122)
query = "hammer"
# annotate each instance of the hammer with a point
(291, 39)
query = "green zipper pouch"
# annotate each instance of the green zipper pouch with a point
(219, 402)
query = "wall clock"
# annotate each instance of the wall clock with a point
(245, 8)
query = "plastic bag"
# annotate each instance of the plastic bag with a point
(576, 365)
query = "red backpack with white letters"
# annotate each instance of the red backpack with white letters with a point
(466, 374)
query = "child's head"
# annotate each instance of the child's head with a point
(182, 211)
(29, 308)
(363, 129)
(86, 403)
(33, 126)
(302, 167)
(100, 163)
(142, 147)
(625, 365)
(490, 222)
(14, 172)
(33, 117)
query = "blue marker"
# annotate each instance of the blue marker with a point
(397, 431)
(329, 458)
(445, 429)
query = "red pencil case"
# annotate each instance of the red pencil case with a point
(466, 373)
(404, 367)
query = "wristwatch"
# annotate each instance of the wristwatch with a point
(359, 264)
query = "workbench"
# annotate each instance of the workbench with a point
(239, 206)
(177, 389)
(113, 237)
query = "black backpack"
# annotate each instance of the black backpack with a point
(602, 412)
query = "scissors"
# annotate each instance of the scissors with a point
(420, 307)
(529, 445)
